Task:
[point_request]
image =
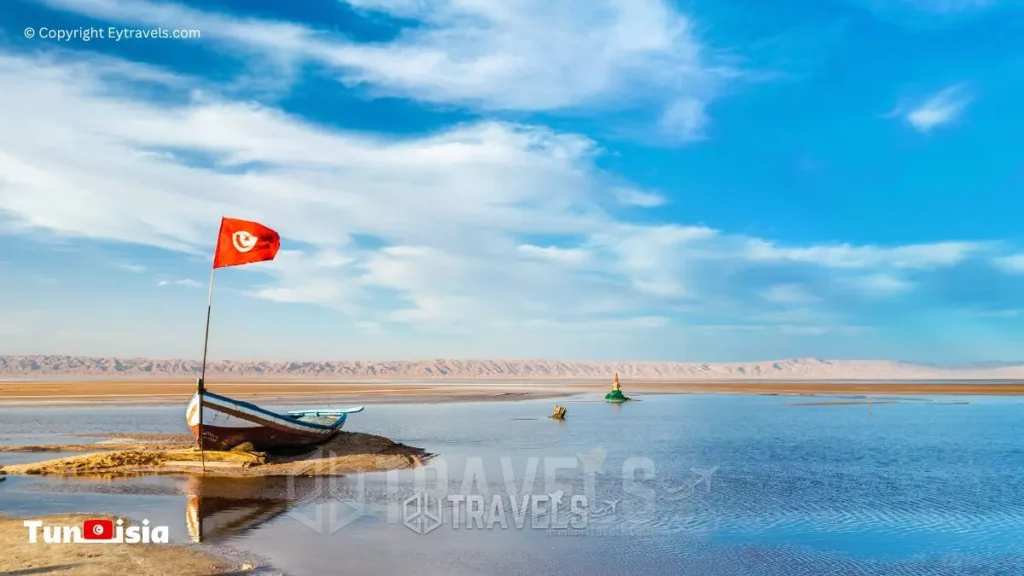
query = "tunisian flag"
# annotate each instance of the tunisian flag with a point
(244, 242)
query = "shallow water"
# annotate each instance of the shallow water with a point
(704, 484)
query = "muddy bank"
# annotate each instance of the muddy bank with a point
(149, 392)
(347, 453)
(22, 557)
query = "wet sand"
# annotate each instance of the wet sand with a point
(347, 453)
(175, 391)
(22, 557)
(151, 391)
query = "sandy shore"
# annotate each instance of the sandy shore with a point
(169, 391)
(347, 453)
(22, 557)
(164, 391)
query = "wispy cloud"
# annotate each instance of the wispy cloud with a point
(183, 282)
(914, 256)
(639, 198)
(501, 225)
(134, 268)
(529, 55)
(569, 256)
(947, 6)
(685, 118)
(929, 13)
(939, 109)
(1013, 264)
(788, 294)
(881, 284)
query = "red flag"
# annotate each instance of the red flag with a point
(244, 242)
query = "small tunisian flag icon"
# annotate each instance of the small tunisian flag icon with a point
(244, 242)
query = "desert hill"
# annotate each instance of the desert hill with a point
(791, 369)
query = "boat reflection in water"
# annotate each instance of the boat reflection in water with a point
(220, 507)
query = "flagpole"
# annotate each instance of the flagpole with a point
(201, 385)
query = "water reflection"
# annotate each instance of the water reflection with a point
(219, 507)
(790, 490)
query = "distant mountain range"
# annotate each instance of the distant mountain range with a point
(792, 369)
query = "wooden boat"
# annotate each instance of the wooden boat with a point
(226, 423)
(222, 423)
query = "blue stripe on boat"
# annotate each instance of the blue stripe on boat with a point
(256, 408)
(325, 411)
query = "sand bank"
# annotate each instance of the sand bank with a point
(21, 557)
(152, 391)
(347, 453)
(112, 442)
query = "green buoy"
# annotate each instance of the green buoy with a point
(616, 396)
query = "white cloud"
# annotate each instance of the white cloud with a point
(134, 268)
(482, 226)
(788, 294)
(881, 284)
(570, 256)
(939, 109)
(1013, 264)
(523, 55)
(183, 282)
(685, 117)
(915, 256)
(639, 198)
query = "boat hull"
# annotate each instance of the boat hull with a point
(228, 423)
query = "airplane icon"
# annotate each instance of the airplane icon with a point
(704, 476)
(556, 497)
(610, 506)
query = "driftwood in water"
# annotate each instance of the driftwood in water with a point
(559, 412)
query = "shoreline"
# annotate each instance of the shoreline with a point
(50, 393)
(330, 398)
(347, 453)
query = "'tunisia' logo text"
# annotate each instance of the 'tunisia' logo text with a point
(97, 531)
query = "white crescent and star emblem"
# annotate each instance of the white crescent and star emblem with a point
(243, 241)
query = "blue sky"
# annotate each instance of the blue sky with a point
(611, 179)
